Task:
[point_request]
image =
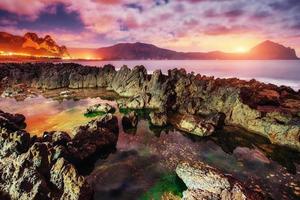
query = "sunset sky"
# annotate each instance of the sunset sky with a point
(183, 25)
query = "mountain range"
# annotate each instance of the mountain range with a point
(266, 50)
(32, 44)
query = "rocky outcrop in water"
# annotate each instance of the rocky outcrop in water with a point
(264, 109)
(41, 167)
(205, 182)
(93, 137)
(100, 108)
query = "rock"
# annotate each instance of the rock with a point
(66, 93)
(93, 137)
(65, 177)
(130, 120)
(13, 143)
(12, 122)
(205, 182)
(129, 82)
(193, 124)
(247, 104)
(37, 167)
(27, 177)
(57, 137)
(102, 108)
(158, 118)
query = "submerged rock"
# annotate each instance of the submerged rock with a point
(205, 182)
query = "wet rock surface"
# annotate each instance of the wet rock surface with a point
(264, 109)
(41, 167)
(205, 182)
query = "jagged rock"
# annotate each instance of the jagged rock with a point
(130, 120)
(205, 182)
(103, 108)
(57, 137)
(65, 177)
(158, 118)
(248, 104)
(97, 135)
(129, 82)
(13, 143)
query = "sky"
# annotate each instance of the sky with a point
(182, 25)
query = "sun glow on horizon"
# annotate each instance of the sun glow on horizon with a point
(241, 49)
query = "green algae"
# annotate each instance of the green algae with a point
(94, 114)
(141, 113)
(169, 182)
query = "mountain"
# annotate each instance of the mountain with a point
(31, 44)
(271, 50)
(266, 50)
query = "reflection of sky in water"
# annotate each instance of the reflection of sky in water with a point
(142, 156)
(284, 72)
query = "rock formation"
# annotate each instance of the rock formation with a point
(264, 109)
(205, 182)
(41, 167)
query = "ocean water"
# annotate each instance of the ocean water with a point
(279, 72)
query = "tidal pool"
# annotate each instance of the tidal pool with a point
(143, 164)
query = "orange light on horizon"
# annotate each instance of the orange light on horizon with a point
(241, 49)
(8, 53)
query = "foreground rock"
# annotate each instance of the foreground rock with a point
(264, 109)
(41, 168)
(205, 182)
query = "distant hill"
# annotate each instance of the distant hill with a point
(266, 50)
(32, 44)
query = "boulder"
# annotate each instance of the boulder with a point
(93, 137)
(205, 182)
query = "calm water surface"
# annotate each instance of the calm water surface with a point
(145, 155)
(285, 72)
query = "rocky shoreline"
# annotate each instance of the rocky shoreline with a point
(265, 109)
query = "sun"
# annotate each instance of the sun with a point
(241, 49)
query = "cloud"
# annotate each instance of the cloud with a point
(155, 21)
